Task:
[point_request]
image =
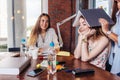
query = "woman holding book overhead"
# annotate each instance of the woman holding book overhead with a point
(42, 35)
(93, 45)
(114, 35)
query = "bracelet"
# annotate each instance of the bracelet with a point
(108, 32)
(84, 40)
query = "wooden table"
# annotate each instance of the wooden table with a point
(71, 63)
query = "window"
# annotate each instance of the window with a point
(11, 36)
(3, 25)
(105, 4)
(33, 10)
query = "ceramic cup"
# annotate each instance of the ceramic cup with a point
(35, 54)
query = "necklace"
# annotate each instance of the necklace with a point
(43, 37)
(91, 46)
(43, 40)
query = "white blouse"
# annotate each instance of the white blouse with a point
(49, 37)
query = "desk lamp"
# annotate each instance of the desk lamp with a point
(58, 28)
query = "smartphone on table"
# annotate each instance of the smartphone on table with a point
(36, 72)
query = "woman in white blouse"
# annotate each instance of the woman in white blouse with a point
(42, 35)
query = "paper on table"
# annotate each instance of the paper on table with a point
(63, 53)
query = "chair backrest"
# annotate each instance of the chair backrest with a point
(15, 49)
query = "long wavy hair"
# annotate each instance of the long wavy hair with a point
(37, 30)
(98, 33)
(114, 10)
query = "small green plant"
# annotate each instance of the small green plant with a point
(3, 46)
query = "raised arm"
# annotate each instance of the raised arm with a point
(105, 29)
(77, 51)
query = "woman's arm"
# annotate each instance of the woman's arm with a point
(113, 37)
(77, 51)
(102, 43)
(105, 29)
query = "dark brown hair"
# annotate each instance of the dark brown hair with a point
(114, 10)
(98, 33)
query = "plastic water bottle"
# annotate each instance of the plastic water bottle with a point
(23, 47)
(51, 59)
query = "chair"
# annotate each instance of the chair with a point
(118, 74)
(15, 49)
(108, 66)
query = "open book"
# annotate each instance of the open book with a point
(14, 65)
(92, 17)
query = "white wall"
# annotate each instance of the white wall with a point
(44, 6)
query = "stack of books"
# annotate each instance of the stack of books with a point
(14, 65)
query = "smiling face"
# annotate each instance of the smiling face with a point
(83, 25)
(44, 22)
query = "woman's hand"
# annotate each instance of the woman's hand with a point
(104, 25)
(82, 31)
(79, 32)
(89, 33)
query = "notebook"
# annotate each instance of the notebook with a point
(14, 65)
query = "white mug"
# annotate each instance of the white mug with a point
(35, 54)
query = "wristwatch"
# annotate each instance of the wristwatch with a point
(108, 32)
